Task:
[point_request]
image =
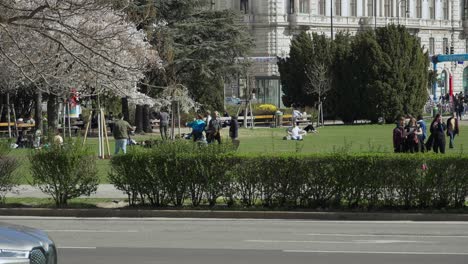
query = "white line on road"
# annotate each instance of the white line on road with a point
(77, 248)
(339, 242)
(377, 252)
(92, 231)
(388, 235)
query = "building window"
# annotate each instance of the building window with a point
(388, 6)
(322, 6)
(465, 9)
(445, 47)
(466, 46)
(304, 6)
(419, 8)
(244, 6)
(353, 7)
(403, 8)
(432, 9)
(337, 7)
(446, 9)
(431, 46)
(370, 8)
(291, 6)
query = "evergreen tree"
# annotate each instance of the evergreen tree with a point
(307, 51)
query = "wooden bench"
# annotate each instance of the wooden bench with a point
(19, 125)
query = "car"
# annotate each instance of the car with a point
(25, 245)
(232, 101)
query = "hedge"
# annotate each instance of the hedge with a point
(203, 175)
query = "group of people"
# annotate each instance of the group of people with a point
(410, 134)
(208, 128)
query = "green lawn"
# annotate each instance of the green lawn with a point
(358, 138)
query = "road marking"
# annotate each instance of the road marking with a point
(91, 231)
(77, 248)
(377, 252)
(339, 242)
(387, 235)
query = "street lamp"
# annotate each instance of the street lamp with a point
(331, 18)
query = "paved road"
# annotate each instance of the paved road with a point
(209, 241)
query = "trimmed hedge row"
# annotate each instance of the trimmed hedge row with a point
(172, 175)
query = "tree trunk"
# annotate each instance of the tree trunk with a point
(125, 111)
(38, 110)
(139, 119)
(5, 107)
(146, 119)
(52, 112)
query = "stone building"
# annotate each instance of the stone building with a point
(439, 24)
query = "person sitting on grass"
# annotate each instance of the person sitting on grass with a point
(295, 133)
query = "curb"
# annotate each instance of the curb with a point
(135, 213)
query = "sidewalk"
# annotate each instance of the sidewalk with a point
(103, 191)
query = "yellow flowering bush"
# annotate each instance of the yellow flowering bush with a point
(265, 109)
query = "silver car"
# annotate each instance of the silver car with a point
(24, 245)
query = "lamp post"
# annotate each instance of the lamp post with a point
(331, 18)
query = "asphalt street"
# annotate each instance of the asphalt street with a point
(209, 241)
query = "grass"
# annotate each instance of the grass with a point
(358, 138)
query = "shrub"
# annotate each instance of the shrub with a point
(64, 172)
(8, 165)
(265, 109)
(180, 171)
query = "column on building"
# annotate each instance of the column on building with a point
(296, 7)
(311, 6)
(425, 9)
(359, 8)
(345, 8)
(327, 7)
(365, 12)
(439, 8)
(394, 3)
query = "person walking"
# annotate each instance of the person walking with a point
(214, 129)
(163, 117)
(437, 129)
(452, 129)
(198, 126)
(121, 128)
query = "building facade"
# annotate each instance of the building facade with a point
(440, 25)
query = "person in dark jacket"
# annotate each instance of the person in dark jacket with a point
(452, 129)
(437, 129)
(234, 128)
(399, 136)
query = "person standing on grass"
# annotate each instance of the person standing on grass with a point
(452, 129)
(207, 119)
(412, 137)
(423, 136)
(399, 136)
(437, 129)
(121, 128)
(163, 117)
(234, 128)
(214, 129)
